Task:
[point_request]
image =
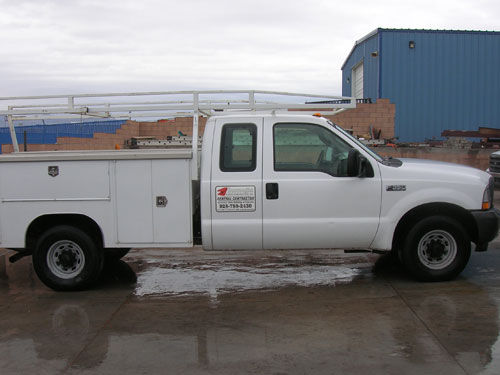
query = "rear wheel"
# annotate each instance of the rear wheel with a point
(67, 258)
(437, 248)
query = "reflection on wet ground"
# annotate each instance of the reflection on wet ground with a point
(187, 311)
(218, 273)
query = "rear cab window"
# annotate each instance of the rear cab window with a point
(238, 148)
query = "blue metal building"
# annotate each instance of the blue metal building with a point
(438, 79)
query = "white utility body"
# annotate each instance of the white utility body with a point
(265, 179)
(116, 189)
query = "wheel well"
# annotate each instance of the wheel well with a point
(45, 222)
(458, 213)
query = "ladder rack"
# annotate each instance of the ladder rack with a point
(163, 104)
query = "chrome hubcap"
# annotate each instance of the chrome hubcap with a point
(437, 249)
(65, 259)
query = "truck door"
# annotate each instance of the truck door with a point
(309, 202)
(236, 184)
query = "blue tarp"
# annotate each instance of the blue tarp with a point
(47, 134)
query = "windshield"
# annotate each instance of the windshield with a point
(360, 144)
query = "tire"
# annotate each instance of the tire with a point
(114, 254)
(436, 248)
(395, 255)
(66, 258)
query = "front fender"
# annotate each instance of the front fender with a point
(395, 204)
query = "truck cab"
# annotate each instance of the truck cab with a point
(293, 171)
(292, 182)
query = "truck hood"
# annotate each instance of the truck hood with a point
(432, 170)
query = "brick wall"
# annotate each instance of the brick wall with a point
(163, 128)
(380, 115)
(105, 141)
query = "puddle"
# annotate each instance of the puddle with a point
(216, 280)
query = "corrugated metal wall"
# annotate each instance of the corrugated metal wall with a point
(362, 52)
(450, 80)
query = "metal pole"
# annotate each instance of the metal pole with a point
(196, 114)
(251, 100)
(12, 132)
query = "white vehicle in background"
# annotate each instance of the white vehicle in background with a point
(269, 179)
(494, 168)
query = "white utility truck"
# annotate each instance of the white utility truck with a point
(270, 178)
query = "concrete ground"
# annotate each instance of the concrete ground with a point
(280, 312)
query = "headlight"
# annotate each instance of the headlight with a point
(488, 195)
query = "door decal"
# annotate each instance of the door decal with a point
(235, 198)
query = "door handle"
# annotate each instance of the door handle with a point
(272, 190)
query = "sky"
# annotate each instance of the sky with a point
(95, 46)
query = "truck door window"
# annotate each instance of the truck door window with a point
(309, 147)
(238, 148)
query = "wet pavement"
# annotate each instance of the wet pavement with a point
(279, 312)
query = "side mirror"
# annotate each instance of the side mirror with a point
(358, 165)
(353, 163)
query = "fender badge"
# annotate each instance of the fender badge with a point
(395, 188)
(53, 170)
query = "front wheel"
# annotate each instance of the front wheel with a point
(67, 258)
(437, 248)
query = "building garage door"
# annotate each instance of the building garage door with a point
(357, 81)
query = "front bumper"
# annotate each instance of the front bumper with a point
(487, 224)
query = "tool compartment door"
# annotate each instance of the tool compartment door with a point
(153, 201)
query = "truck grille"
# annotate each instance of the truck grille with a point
(494, 163)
